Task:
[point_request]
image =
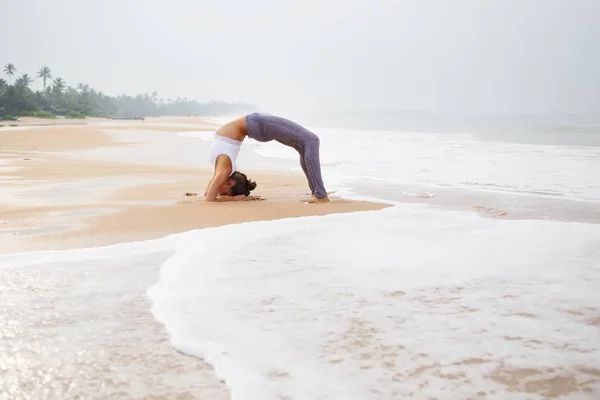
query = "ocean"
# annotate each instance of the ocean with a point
(480, 281)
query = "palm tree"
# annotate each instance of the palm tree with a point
(25, 80)
(10, 98)
(83, 88)
(44, 73)
(10, 70)
(59, 85)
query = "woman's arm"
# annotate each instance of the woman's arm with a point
(223, 170)
(213, 189)
(239, 197)
(208, 186)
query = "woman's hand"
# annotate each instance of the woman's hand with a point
(239, 197)
(243, 197)
(254, 198)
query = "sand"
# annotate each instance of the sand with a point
(49, 200)
(130, 202)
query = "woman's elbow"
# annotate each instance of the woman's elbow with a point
(210, 199)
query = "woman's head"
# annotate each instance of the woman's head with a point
(238, 183)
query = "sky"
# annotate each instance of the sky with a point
(445, 56)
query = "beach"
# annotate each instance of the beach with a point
(85, 203)
(52, 200)
(446, 266)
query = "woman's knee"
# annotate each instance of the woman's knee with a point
(313, 140)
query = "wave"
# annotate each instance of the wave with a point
(383, 304)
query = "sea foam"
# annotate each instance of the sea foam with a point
(453, 160)
(404, 302)
(460, 161)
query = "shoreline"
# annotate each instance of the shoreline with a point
(100, 314)
(53, 201)
(44, 180)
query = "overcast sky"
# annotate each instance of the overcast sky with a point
(499, 56)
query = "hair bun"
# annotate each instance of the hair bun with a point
(251, 185)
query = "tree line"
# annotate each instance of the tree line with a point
(59, 99)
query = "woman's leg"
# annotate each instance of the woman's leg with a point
(308, 173)
(311, 165)
(304, 168)
(304, 141)
(266, 127)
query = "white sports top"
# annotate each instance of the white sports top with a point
(227, 146)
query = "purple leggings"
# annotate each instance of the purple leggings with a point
(267, 127)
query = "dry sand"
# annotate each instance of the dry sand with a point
(50, 201)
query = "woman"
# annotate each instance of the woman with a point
(233, 185)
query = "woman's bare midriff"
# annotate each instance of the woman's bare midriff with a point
(235, 129)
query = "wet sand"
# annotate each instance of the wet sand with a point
(43, 187)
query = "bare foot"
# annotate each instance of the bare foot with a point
(309, 194)
(315, 200)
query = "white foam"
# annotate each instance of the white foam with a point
(404, 303)
(458, 161)
(19, 128)
(76, 324)
(369, 305)
(387, 304)
(454, 160)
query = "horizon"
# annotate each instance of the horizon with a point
(37, 81)
(162, 100)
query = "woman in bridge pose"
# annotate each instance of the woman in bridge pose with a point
(229, 184)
